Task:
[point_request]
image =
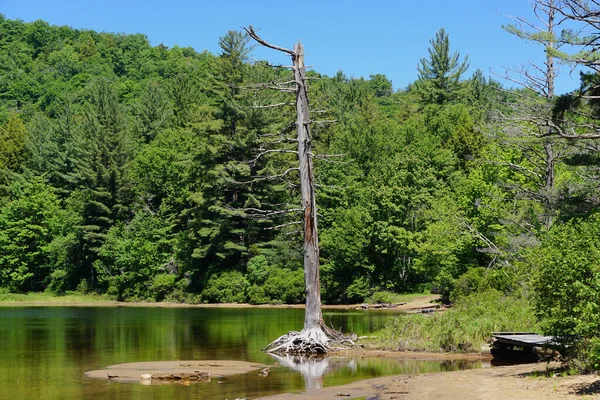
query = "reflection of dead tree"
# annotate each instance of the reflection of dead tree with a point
(316, 336)
(313, 369)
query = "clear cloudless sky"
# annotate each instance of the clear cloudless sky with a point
(358, 37)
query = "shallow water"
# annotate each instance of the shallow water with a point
(45, 351)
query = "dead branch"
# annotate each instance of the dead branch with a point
(532, 82)
(271, 85)
(523, 170)
(268, 177)
(272, 105)
(252, 33)
(324, 156)
(283, 225)
(281, 132)
(281, 140)
(267, 213)
(279, 66)
(265, 152)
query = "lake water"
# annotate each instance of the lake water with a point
(45, 351)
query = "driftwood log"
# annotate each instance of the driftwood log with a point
(184, 376)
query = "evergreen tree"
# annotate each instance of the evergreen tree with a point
(105, 193)
(440, 73)
(53, 146)
(13, 139)
(154, 111)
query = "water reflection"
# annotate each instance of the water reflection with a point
(312, 369)
(317, 371)
(44, 352)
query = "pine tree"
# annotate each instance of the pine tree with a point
(13, 138)
(439, 75)
(105, 195)
(154, 111)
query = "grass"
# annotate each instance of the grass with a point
(463, 328)
(50, 298)
(562, 371)
(392, 298)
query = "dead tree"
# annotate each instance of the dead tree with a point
(537, 113)
(315, 337)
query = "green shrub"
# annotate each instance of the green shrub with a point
(384, 297)
(285, 286)
(180, 293)
(273, 285)
(118, 287)
(567, 289)
(358, 290)
(132, 255)
(83, 287)
(445, 283)
(161, 285)
(472, 281)
(29, 221)
(480, 279)
(58, 282)
(256, 295)
(226, 287)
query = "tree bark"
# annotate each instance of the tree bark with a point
(550, 158)
(315, 335)
(313, 316)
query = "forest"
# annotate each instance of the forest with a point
(167, 174)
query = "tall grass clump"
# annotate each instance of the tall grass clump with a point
(463, 328)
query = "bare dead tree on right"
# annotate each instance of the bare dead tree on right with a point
(529, 124)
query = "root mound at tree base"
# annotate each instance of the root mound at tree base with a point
(319, 340)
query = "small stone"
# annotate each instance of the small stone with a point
(145, 377)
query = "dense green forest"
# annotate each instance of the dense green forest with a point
(153, 173)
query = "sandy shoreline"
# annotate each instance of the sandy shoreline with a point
(415, 304)
(497, 383)
(526, 381)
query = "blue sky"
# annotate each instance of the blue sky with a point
(358, 37)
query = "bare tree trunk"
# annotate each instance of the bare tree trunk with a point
(548, 144)
(313, 318)
(549, 184)
(543, 32)
(315, 336)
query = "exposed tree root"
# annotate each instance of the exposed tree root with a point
(319, 340)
